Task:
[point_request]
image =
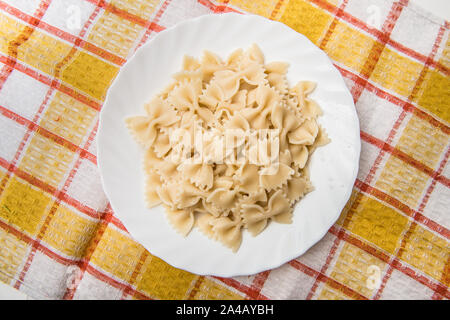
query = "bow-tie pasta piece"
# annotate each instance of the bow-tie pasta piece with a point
(181, 220)
(153, 181)
(145, 128)
(276, 76)
(228, 231)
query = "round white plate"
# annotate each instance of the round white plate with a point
(333, 167)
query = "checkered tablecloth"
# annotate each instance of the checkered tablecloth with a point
(60, 239)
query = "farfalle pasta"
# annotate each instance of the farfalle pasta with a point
(227, 145)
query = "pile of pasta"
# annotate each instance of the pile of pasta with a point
(242, 92)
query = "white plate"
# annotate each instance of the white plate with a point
(333, 167)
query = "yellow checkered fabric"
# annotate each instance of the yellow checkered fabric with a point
(59, 238)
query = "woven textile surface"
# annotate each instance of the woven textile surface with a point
(59, 238)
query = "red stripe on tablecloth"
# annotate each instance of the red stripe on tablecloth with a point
(136, 271)
(277, 8)
(30, 241)
(118, 224)
(196, 287)
(27, 70)
(123, 14)
(22, 37)
(433, 183)
(106, 218)
(119, 285)
(382, 152)
(217, 8)
(56, 84)
(336, 14)
(405, 157)
(359, 244)
(250, 292)
(407, 106)
(419, 57)
(444, 279)
(48, 134)
(379, 34)
(437, 296)
(394, 44)
(380, 195)
(366, 188)
(321, 277)
(155, 20)
(111, 57)
(258, 284)
(79, 96)
(424, 70)
(5, 72)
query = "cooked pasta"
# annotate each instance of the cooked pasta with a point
(227, 145)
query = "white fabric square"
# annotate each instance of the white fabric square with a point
(12, 134)
(371, 12)
(369, 154)
(91, 288)
(27, 6)
(317, 255)
(86, 186)
(287, 283)
(377, 116)
(23, 94)
(438, 204)
(69, 15)
(179, 10)
(46, 277)
(415, 31)
(402, 287)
